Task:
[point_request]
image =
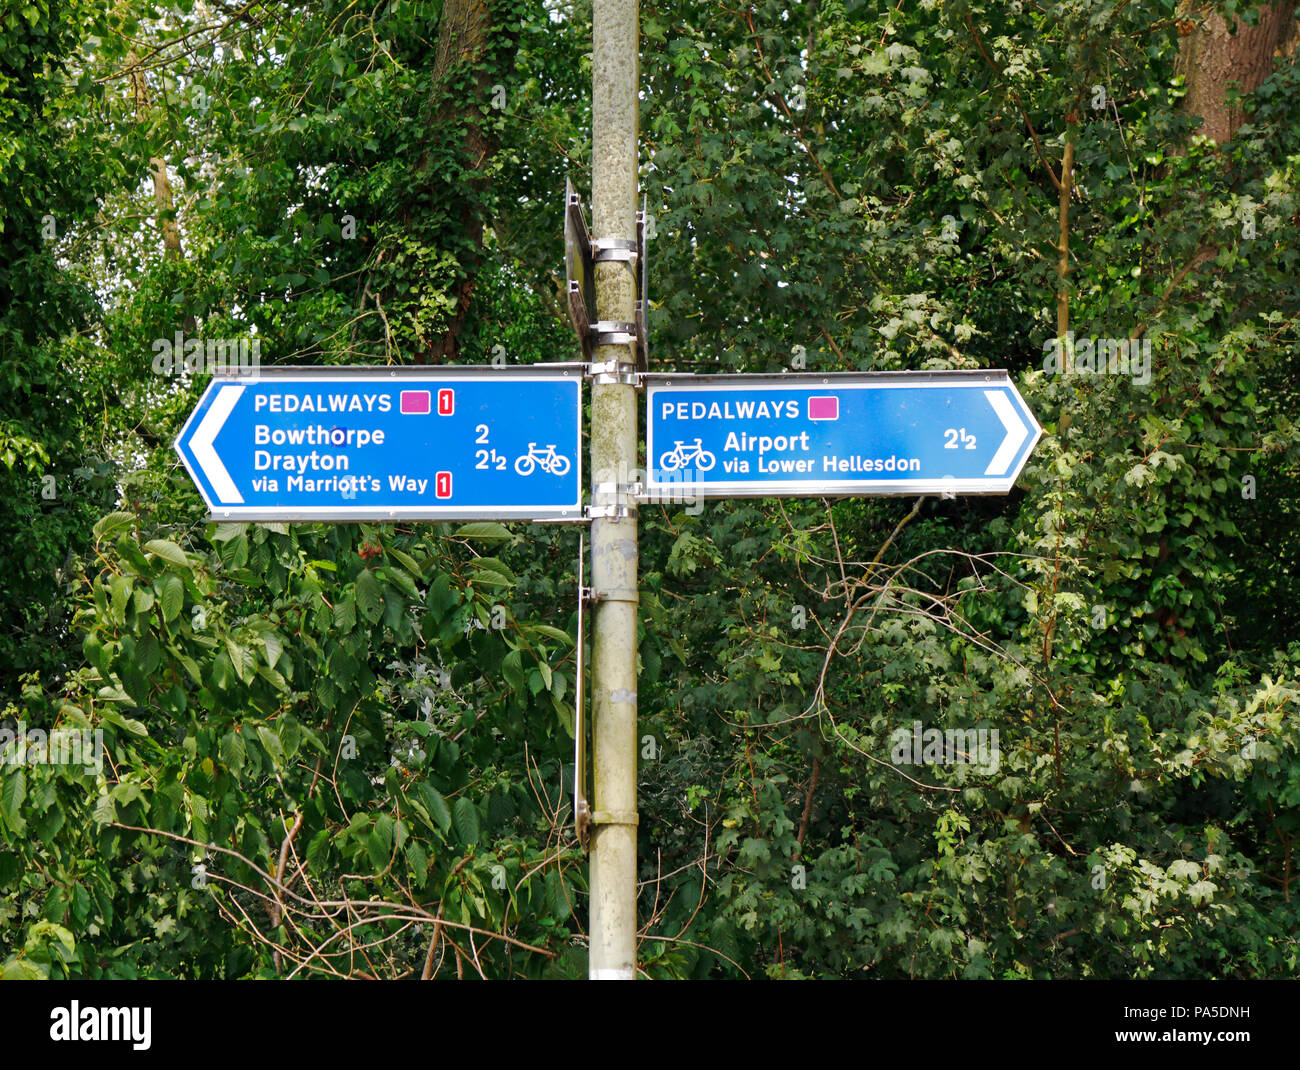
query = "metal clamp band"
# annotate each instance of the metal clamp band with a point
(616, 249)
(615, 817)
(610, 512)
(610, 367)
(592, 597)
(619, 379)
(613, 333)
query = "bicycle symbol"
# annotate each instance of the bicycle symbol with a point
(686, 456)
(547, 458)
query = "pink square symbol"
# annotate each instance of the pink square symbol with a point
(415, 402)
(824, 408)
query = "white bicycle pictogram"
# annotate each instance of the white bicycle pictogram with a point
(684, 455)
(547, 459)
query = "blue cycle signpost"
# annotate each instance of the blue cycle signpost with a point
(466, 443)
(764, 436)
(389, 443)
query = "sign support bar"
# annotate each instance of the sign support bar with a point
(581, 808)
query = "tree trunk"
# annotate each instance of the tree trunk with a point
(462, 40)
(164, 198)
(162, 186)
(1212, 60)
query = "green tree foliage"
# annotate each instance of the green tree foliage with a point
(345, 750)
(54, 478)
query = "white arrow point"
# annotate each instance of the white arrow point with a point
(201, 445)
(1017, 432)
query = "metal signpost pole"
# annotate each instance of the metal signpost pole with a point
(613, 463)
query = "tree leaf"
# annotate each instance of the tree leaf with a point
(369, 598)
(272, 744)
(233, 750)
(243, 660)
(345, 614)
(512, 668)
(105, 811)
(465, 815)
(13, 791)
(273, 646)
(114, 522)
(484, 530)
(168, 551)
(171, 595)
(551, 633)
(435, 804)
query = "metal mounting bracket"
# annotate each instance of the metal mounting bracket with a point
(581, 255)
(614, 371)
(618, 490)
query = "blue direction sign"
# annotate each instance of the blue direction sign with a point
(388, 443)
(761, 436)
